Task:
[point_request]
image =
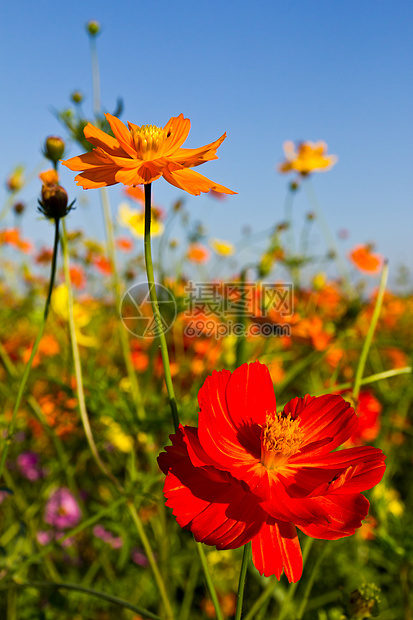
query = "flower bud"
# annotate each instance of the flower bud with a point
(18, 208)
(15, 181)
(54, 202)
(363, 601)
(93, 27)
(54, 148)
(76, 96)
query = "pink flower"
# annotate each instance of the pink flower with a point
(28, 464)
(62, 510)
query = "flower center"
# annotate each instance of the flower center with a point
(281, 437)
(148, 140)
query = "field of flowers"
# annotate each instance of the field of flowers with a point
(181, 444)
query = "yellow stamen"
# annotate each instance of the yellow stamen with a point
(281, 437)
(148, 140)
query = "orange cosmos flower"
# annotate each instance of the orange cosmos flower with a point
(364, 259)
(102, 264)
(124, 244)
(198, 253)
(49, 177)
(11, 236)
(136, 193)
(140, 155)
(308, 157)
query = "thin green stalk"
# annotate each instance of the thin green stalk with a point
(310, 583)
(241, 585)
(12, 604)
(370, 333)
(73, 586)
(209, 583)
(26, 373)
(155, 307)
(288, 214)
(407, 370)
(124, 339)
(151, 560)
(189, 591)
(94, 59)
(261, 600)
(78, 369)
(286, 608)
(240, 349)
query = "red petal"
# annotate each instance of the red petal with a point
(211, 504)
(346, 513)
(325, 416)
(345, 471)
(276, 547)
(280, 505)
(217, 433)
(250, 396)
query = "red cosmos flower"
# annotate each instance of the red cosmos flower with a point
(248, 473)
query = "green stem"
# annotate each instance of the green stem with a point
(73, 586)
(12, 604)
(407, 370)
(151, 560)
(240, 350)
(370, 333)
(286, 608)
(310, 583)
(26, 373)
(261, 600)
(209, 583)
(124, 340)
(95, 75)
(155, 307)
(78, 369)
(288, 214)
(189, 591)
(241, 585)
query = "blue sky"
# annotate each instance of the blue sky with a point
(263, 72)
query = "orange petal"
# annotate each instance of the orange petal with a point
(178, 127)
(121, 134)
(85, 162)
(193, 182)
(143, 173)
(97, 137)
(101, 176)
(195, 157)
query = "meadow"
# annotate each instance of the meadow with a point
(147, 469)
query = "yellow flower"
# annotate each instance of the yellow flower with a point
(60, 305)
(116, 436)
(135, 221)
(308, 157)
(223, 248)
